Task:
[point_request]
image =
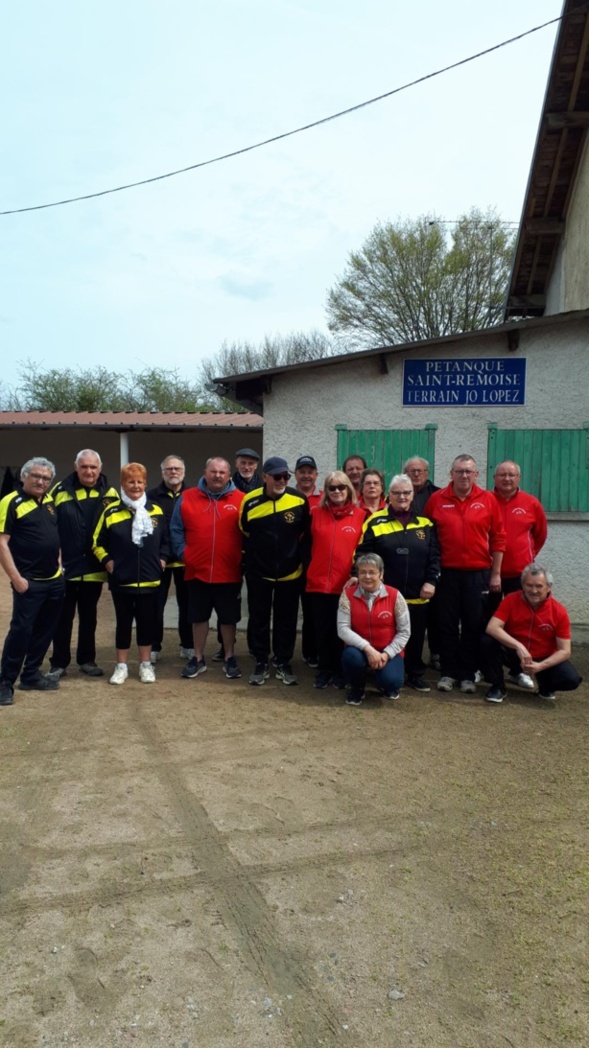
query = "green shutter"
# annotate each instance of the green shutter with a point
(554, 464)
(386, 449)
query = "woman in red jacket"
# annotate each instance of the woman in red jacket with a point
(336, 527)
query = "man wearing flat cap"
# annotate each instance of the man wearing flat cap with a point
(275, 521)
(246, 477)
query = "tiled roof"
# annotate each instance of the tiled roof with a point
(122, 420)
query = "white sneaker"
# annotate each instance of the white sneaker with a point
(187, 653)
(155, 657)
(146, 673)
(121, 672)
(522, 680)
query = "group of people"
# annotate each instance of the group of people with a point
(373, 570)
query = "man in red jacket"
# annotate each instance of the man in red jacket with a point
(206, 537)
(526, 529)
(530, 631)
(472, 541)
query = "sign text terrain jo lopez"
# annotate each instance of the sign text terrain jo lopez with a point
(472, 382)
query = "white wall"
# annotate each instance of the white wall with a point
(301, 412)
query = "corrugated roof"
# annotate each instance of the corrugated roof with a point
(121, 420)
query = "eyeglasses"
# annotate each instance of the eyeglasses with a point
(40, 477)
(464, 472)
(173, 469)
(368, 572)
(337, 487)
(402, 494)
(280, 476)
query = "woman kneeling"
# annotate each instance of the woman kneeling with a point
(373, 622)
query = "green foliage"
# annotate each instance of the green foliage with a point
(409, 282)
(97, 389)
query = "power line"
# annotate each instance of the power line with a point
(285, 134)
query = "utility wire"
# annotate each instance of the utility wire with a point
(285, 134)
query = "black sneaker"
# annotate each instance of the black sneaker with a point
(495, 695)
(285, 674)
(393, 694)
(322, 680)
(311, 661)
(219, 656)
(46, 683)
(260, 674)
(231, 669)
(354, 698)
(6, 693)
(91, 669)
(548, 696)
(418, 684)
(339, 683)
(193, 668)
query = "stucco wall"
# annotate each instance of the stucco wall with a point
(304, 407)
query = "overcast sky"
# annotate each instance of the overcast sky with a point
(95, 95)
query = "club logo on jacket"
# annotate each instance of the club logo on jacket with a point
(289, 517)
(386, 615)
(478, 505)
(420, 534)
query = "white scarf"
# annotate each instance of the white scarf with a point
(142, 522)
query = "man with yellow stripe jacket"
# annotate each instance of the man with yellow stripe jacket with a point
(275, 521)
(79, 501)
(29, 554)
(408, 545)
(166, 495)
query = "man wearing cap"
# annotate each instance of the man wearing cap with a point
(246, 477)
(306, 478)
(275, 521)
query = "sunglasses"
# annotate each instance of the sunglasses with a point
(281, 476)
(337, 487)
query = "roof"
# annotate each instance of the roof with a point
(128, 420)
(561, 137)
(248, 389)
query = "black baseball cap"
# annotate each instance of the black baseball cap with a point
(306, 460)
(275, 465)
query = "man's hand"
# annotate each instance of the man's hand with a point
(20, 584)
(495, 582)
(110, 566)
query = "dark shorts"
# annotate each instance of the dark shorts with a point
(222, 597)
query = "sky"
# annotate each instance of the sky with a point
(97, 95)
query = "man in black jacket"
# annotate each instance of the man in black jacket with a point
(79, 500)
(165, 495)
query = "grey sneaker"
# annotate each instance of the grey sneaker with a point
(90, 669)
(521, 680)
(285, 674)
(260, 674)
(445, 683)
(231, 669)
(57, 673)
(468, 687)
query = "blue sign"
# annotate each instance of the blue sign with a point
(474, 382)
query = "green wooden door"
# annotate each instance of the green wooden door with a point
(554, 464)
(386, 449)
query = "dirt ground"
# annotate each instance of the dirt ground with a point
(199, 864)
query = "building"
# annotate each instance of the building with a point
(518, 390)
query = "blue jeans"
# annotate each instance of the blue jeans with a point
(355, 667)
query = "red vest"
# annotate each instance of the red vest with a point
(376, 624)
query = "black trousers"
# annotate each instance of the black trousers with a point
(184, 624)
(462, 605)
(511, 585)
(83, 597)
(418, 614)
(35, 614)
(494, 656)
(276, 603)
(328, 646)
(138, 605)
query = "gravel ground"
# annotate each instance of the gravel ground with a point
(199, 864)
